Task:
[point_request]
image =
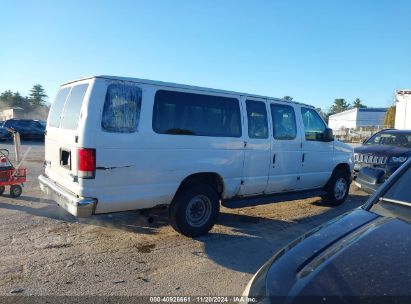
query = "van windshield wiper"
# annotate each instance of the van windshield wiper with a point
(179, 131)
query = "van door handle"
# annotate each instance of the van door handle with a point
(303, 157)
(273, 159)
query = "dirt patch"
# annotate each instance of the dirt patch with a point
(146, 248)
(54, 246)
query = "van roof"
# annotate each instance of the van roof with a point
(184, 86)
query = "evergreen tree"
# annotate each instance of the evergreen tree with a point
(37, 96)
(340, 105)
(6, 98)
(13, 99)
(358, 104)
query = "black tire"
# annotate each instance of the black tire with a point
(2, 188)
(15, 190)
(337, 188)
(194, 209)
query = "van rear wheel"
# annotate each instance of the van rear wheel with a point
(337, 188)
(194, 210)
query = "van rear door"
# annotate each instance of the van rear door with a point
(61, 150)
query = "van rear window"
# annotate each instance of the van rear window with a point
(122, 106)
(181, 113)
(65, 110)
(71, 111)
(57, 107)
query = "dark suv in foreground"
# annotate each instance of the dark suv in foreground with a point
(387, 150)
(362, 256)
(28, 128)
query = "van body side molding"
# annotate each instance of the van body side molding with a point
(111, 168)
(241, 202)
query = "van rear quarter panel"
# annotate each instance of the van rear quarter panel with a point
(58, 138)
(144, 169)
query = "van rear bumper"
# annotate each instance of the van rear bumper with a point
(81, 207)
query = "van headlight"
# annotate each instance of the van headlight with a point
(398, 159)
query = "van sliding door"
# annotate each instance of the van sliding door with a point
(256, 147)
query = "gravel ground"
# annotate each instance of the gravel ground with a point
(46, 251)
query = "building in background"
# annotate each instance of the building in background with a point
(356, 118)
(15, 112)
(403, 109)
(19, 113)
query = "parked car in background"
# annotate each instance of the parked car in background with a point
(43, 123)
(387, 150)
(363, 253)
(29, 129)
(116, 144)
(5, 134)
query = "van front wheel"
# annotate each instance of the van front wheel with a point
(337, 188)
(194, 210)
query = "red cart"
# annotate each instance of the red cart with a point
(10, 176)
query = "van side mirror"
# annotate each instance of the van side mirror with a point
(328, 134)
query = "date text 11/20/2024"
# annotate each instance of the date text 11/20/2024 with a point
(205, 299)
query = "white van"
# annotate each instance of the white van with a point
(115, 144)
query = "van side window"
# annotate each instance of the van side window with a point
(284, 125)
(122, 106)
(57, 107)
(314, 126)
(71, 111)
(257, 119)
(181, 113)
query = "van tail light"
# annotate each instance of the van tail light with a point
(86, 163)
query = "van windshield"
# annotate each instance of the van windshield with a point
(65, 110)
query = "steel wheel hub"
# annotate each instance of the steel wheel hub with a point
(198, 210)
(340, 188)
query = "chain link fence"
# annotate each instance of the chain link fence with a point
(357, 135)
